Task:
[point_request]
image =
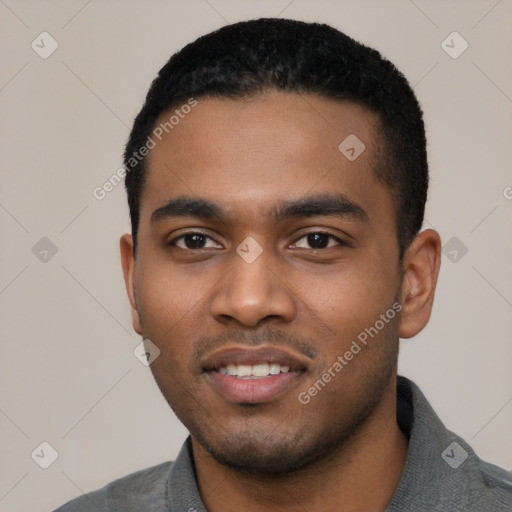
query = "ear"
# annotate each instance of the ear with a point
(128, 263)
(421, 264)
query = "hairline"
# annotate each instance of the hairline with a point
(380, 162)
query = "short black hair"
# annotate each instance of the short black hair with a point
(249, 57)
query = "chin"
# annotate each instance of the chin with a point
(265, 456)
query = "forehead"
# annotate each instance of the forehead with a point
(250, 154)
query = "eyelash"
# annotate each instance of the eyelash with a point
(330, 236)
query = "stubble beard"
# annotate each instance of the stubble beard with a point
(285, 452)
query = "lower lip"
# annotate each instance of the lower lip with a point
(252, 391)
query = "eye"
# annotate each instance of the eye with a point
(318, 240)
(193, 240)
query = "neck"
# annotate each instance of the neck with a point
(362, 474)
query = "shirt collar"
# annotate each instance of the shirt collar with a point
(432, 454)
(427, 472)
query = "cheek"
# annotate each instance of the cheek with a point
(169, 303)
(165, 293)
(350, 292)
(338, 306)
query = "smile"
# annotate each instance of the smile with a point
(257, 371)
(248, 375)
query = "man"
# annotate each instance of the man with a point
(277, 177)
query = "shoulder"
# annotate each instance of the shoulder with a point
(142, 490)
(442, 472)
(490, 485)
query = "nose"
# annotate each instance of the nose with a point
(254, 292)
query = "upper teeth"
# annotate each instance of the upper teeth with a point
(257, 370)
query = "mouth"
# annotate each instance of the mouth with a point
(256, 371)
(253, 375)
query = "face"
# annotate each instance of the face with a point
(264, 257)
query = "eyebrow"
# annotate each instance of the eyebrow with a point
(328, 205)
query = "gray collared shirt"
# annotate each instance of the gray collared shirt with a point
(441, 473)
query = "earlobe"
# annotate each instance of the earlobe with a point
(128, 264)
(421, 264)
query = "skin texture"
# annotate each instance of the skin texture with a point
(343, 450)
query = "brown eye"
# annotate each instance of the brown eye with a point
(191, 241)
(318, 240)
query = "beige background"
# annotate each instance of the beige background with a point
(68, 374)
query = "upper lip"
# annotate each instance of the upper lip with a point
(252, 356)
